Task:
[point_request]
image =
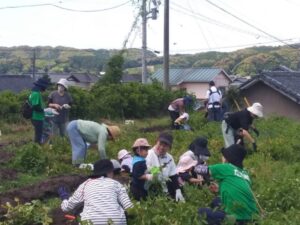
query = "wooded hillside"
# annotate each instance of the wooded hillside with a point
(249, 61)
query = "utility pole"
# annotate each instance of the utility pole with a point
(153, 11)
(166, 45)
(144, 42)
(33, 64)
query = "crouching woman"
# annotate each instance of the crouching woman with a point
(105, 200)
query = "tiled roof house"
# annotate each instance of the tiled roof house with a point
(277, 91)
(194, 80)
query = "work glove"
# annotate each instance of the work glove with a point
(179, 196)
(256, 131)
(254, 146)
(63, 193)
(201, 169)
(66, 106)
(149, 177)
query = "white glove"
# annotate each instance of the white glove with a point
(179, 196)
(89, 166)
(149, 177)
(66, 106)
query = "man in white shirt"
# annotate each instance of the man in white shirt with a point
(214, 97)
(159, 157)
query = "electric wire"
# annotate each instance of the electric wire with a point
(210, 20)
(249, 24)
(65, 8)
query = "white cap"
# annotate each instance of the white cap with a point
(63, 82)
(122, 153)
(256, 109)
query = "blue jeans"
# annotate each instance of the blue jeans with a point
(79, 146)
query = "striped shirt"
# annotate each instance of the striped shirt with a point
(104, 200)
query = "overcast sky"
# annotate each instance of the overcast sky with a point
(195, 25)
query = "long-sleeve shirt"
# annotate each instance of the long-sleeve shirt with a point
(93, 132)
(104, 200)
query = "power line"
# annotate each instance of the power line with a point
(235, 46)
(211, 21)
(64, 8)
(249, 24)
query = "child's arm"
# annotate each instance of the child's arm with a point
(146, 177)
(197, 181)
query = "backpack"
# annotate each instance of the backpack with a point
(26, 109)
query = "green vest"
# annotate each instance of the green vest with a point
(234, 187)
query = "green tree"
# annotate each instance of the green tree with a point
(114, 70)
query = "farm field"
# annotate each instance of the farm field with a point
(31, 174)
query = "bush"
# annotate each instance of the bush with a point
(32, 159)
(33, 213)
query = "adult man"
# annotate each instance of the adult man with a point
(213, 96)
(37, 103)
(82, 131)
(159, 157)
(239, 123)
(177, 108)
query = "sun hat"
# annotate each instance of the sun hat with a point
(114, 131)
(102, 167)
(140, 142)
(234, 154)
(185, 163)
(166, 138)
(42, 82)
(256, 109)
(122, 153)
(199, 146)
(63, 82)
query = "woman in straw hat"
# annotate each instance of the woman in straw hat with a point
(82, 131)
(240, 123)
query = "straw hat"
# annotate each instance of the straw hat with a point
(185, 163)
(141, 142)
(114, 131)
(256, 109)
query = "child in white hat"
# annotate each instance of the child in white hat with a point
(125, 160)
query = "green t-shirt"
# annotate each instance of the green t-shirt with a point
(35, 98)
(236, 195)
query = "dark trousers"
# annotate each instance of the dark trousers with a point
(174, 115)
(214, 215)
(214, 114)
(138, 193)
(38, 130)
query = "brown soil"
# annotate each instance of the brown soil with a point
(155, 128)
(8, 174)
(47, 189)
(5, 156)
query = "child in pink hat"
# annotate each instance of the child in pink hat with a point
(184, 170)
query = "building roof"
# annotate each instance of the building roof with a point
(287, 83)
(126, 78)
(83, 77)
(15, 83)
(190, 75)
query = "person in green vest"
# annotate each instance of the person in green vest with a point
(38, 105)
(236, 199)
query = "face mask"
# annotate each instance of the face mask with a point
(203, 158)
(60, 88)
